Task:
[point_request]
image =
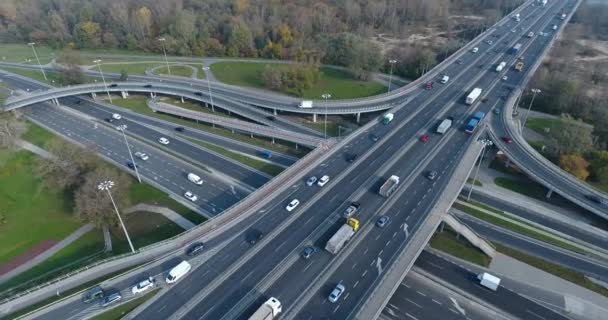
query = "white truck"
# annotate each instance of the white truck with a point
(339, 239)
(444, 126)
(489, 281)
(306, 104)
(268, 311)
(388, 118)
(473, 96)
(500, 66)
(389, 186)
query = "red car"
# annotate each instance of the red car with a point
(507, 140)
(424, 138)
(429, 85)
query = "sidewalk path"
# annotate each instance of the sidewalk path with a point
(34, 149)
(168, 213)
(48, 253)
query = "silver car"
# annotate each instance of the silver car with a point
(336, 293)
(311, 181)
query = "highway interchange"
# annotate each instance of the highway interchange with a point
(238, 277)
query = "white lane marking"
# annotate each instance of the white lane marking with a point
(420, 293)
(457, 306)
(414, 303)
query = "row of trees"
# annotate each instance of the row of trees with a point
(291, 79)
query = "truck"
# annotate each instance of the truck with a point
(475, 120)
(306, 104)
(339, 239)
(473, 96)
(519, 66)
(444, 125)
(515, 48)
(388, 118)
(489, 281)
(500, 66)
(268, 311)
(389, 186)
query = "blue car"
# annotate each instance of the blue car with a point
(266, 154)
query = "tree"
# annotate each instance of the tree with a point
(70, 73)
(94, 205)
(11, 128)
(240, 40)
(143, 21)
(124, 76)
(598, 163)
(87, 35)
(575, 164)
(272, 78)
(68, 164)
(572, 136)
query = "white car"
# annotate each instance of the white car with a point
(142, 155)
(475, 50)
(121, 127)
(311, 181)
(505, 78)
(190, 196)
(116, 116)
(143, 286)
(163, 140)
(323, 181)
(292, 205)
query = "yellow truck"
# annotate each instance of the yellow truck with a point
(342, 236)
(519, 66)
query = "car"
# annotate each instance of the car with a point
(383, 221)
(374, 137)
(336, 293)
(78, 101)
(113, 85)
(311, 181)
(323, 181)
(116, 116)
(350, 211)
(271, 118)
(143, 285)
(93, 294)
(163, 140)
(141, 155)
(513, 31)
(432, 175)
(507, 140)
(351, 157)
(429, 85)
(132, 165)
(480, 66)
(255, 236)
(496, 111)
(180, 129)
(505, 78)
(190, 196)
(195, 249)
(111, 298)
(200, 94)
(424, 138)
(458, 61)
(474, 50)
(110, 120)
(597, 199)
(308, 252)
(266, 154)
(121, 127)
(148, 86)
(292, 205)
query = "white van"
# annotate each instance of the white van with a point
(195, 179)
(178, 271)
(445, 79)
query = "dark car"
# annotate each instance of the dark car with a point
(255, 236)
(78, 101)
(271, 118)
(132, 165)
(113, 85)
(199, 94)
(351, 157)
(195, 249)
(458, 61)
(110, 120)
(93, 294)
(180, 129)
(111, 298)
(432, 175)
(266, 154)
(597, 199)
(308, 252)
(374, 137)
(148, 86)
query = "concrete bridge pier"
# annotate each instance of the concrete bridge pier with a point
(274, 112)
(314, 117)
(272, 140)
(152, 95)
(182, 99)
(55, 101)
(124, 94)
(358, 117)
(93, 95)
(549, 194)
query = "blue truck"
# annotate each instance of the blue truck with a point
(515, 48)
(477, 117)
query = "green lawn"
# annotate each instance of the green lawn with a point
(559, 271)
(138, 104)
(131, 68)
(120, 311)
(181, 71)
(38, 135)
(447, 242)
(253, 163)
(145, 193)
(336, 82)
(537, 145)
(12, 52)
(530, 188)
(332, 127)
(87, 245)
(144, 228)
(539, 124)
(195, 106)
(31, 212)
(477, 182)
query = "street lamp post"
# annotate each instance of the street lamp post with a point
(32, 44)
(106, 186)
(325, 96)
(390, 77)
(534, 92)
(130, 154)
(103, 79)
(486, 143)
(205, 68)
(162, 41)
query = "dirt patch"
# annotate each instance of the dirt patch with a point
(26, 256)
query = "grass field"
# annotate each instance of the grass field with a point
(120, 311)
(332, 127)
(531, 189)
(31, 212)
(133, 68)
(194, 106)
(447, 242)
(145, 193)
(38, 135)
(336, 82)
(11, 52)
(180, 71)
(144, 228)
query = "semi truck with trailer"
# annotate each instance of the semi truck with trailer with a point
(389, 186)
(345, 233)
(515, 48)
(473, 96)
(268, 311)
(444, 125)
(500, 66)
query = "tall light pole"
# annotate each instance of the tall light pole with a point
(534, 92)
(162, 41)
(106, 186)
(102, 78)
(130, 153)
(209, 87)
(325, 96)
(32, 44)
(486, 143)
(390, 77)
